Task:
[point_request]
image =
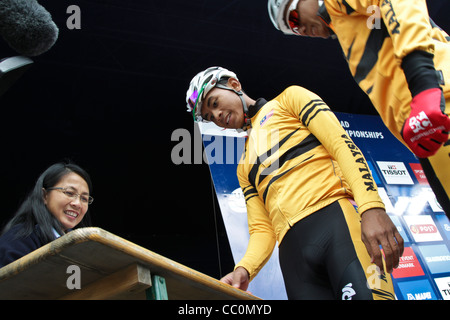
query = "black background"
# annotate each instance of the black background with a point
(110, 95)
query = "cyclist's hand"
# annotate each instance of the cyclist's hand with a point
(427, 127)
(377, 229)
(239, 278)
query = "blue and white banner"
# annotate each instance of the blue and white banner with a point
(223, 149)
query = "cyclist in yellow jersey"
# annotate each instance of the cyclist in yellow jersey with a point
(302, 178)
(400, 58)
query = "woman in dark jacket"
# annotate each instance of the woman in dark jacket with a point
(58, 203)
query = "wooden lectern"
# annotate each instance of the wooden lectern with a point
(91, 263)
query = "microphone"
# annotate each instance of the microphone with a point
(27, 27)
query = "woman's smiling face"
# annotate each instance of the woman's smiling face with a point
(68, 211)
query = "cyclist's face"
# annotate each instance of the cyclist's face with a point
(309, 22)
(224, 107)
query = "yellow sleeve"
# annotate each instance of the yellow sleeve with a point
(440, 35)
(262, 236)
(313, 113)
(407, 22)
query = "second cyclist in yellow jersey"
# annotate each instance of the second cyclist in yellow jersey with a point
(400, 58)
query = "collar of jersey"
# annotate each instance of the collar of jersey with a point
(254, 108)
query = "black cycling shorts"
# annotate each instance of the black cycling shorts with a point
(323, 257)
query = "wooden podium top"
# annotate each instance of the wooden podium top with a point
(43, 273)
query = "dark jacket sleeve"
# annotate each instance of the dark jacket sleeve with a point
(13, 248)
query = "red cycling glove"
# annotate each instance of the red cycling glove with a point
(427, 127)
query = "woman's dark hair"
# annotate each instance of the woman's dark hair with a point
(33, 210)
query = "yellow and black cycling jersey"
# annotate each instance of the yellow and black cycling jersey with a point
(375, 36)
(297, 160)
